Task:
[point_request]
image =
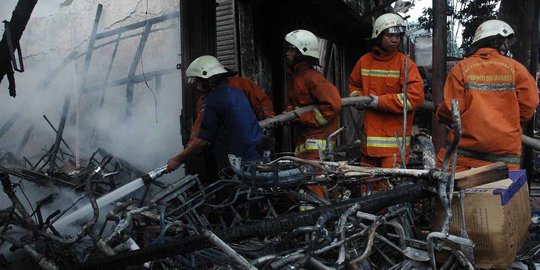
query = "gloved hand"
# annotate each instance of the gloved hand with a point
(362, 106)
(374, 102)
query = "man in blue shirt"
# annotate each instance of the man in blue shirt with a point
(229, 124)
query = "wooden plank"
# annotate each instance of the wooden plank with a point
(224, 27)
(226, 47)
(481, 175)
(226, 34)
(225, 42)
(224, 18)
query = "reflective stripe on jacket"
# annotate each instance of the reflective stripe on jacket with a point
(305, 87)
(260, 102)
(496, 95)
(382, 74)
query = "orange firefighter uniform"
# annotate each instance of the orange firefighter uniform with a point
(382, 73)
(305, 87)
(260, 102)
(496, 96)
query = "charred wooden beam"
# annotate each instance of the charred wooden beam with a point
(56, 146)
(135, 79)
(18, 22)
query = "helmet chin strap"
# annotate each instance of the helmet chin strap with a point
(504, 49)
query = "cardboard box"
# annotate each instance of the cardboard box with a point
(497, 218)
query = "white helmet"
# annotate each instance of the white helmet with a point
(492, 28)
(205, 67)
(391, 21)
(306, 42)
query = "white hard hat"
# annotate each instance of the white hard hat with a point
(391, 21)
(492, 28)
(305, 41)
(205, 67)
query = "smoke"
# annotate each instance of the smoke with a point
(54, 47)
(145, 137)
(43, 8)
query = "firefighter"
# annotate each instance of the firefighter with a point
(380, 74)
(496, 97)
(307, 86)
(228, 123)
(260, 102)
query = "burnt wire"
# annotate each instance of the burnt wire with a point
(142, 70)
(28, 200)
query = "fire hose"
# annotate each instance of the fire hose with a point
(351, 101)
(345, 102)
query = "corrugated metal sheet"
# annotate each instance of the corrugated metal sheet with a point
(226, 33)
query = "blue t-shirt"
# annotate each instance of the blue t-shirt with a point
(229, 123)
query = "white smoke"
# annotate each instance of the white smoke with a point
(147, 139)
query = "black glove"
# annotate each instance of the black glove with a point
(363, 106)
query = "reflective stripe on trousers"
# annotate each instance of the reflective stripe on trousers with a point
(372, 141)
(314, 144)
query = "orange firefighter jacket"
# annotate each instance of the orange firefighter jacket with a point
(496, 95)
(260, 102)
(307, 86)
(382, 74)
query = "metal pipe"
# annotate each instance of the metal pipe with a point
(369, 245)
(462, 259)
(443, 236)
(341, 230)
(316, 264)
(329, 141)
(8, 189)
(56, 132)
(59, 133)
(372, 231)
(354, 171)
(227, 249)
(263, 259)
(403, 144)
(286, 260)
